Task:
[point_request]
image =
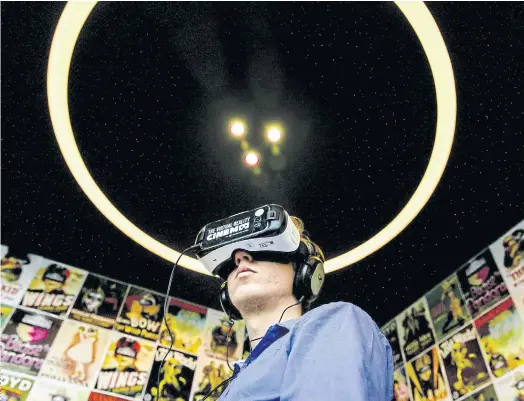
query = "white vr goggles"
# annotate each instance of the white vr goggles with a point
(267, 233)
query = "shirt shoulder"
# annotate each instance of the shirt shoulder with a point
(339, 311)
(340, 320)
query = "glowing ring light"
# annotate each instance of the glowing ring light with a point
(67, 31)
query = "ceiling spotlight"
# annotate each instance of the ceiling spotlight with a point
(274, 135)
(237, 129)
(251, 159)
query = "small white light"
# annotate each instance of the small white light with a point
(237, 129)
(274, 135)
(251, 159)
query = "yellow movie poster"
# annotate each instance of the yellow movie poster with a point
(209, 374)
(216, 333)
(186, 323)
(14, 387)
(141, 314)
(17, 269)
(126, 366)
(54, 288)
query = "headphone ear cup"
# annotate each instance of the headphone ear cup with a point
(317, 279)
(309, 279)
(227, 305)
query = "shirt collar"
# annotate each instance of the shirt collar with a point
(273, 333)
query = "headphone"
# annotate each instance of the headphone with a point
(308, 280)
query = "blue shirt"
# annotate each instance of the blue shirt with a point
(333, 352)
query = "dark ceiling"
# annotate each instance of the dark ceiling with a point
(154, 85)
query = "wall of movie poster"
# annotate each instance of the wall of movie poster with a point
(464, 339)
(68, 334)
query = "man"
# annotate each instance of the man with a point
(333, 352)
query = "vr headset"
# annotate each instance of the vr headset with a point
(267, 233)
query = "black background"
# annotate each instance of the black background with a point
(153, 86)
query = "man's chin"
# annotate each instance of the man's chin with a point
(248, 293)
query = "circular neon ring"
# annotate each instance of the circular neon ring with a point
(64, 40)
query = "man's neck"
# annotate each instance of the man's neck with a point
(259, 321)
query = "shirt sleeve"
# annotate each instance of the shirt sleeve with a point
(338, 354)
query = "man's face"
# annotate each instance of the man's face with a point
(255, 282)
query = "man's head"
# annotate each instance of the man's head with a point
(264, 281)
(254, 283)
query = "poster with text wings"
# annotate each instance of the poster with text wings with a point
(54, 288)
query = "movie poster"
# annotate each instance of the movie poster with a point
(501, 334)
(247, 345)
(426, 378)
(508, 252)
(215, 336)
(481, 283)
(186, 323)
(447, 308)
(99, 301)
(415, 330)
(50, 390)
(208, 375)
(14, 387)
(176, 376)
(486, 394)
(54, 288)
(390, 332)
(5, 312)
(126, 366)
(400, 385)
(16, 271)
(76, 354)
(94, 396)
(463, 362)
(142, 314)
(511, 387)
(26, 340)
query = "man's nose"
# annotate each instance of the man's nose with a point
(242, 255)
